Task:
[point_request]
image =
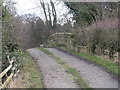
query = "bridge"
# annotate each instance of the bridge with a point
(61, 39)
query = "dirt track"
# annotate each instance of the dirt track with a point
(94, 75)
(54, 75)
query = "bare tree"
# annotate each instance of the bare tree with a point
(54, 13)
(49, 12)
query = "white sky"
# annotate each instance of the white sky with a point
(26, 7)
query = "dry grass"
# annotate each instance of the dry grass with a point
(106, 24)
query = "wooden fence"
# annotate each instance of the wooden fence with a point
(13, 68)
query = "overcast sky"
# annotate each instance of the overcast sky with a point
(31, 7)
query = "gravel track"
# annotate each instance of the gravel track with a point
(54, 76)
(94, 75)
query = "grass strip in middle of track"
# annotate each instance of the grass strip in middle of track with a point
(72, 72)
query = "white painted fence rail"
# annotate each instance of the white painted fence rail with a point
(10, 67)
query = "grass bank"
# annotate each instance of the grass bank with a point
(108, 65)
(29, 76)
(74, 75)
(33, 77)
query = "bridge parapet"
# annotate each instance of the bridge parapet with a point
(60, 39)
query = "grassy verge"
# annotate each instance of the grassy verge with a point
(108, 65)
(29, 74)
(74, 75)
